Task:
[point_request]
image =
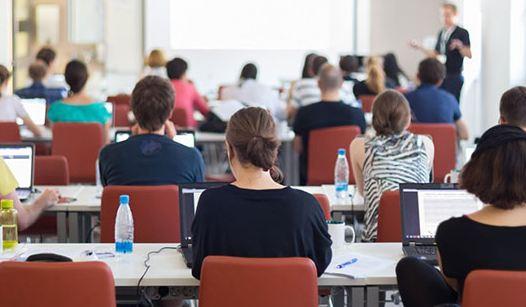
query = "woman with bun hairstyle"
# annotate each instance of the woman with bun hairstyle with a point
(256, 216)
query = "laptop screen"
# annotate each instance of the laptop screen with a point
(425, 206)
(19, 159)
(189, 195)
(186, 138)
(36, 109)
(122, 135)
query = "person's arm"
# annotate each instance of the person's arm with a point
(430, 150)
(462, 129)
(465, 50)
(322, 253)
(200, 103)
(200, 172)
(200, 235)
(28, 122)
(106, 131)
(430, 53)
(28, 214)
(357, 152)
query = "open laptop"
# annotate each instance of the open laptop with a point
(188, 199)
(423, 207)
(36, 109)
(20, 158)
(184, 137)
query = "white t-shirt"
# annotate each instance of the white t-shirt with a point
(306, 91)
(11, 108)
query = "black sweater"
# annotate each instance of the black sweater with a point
(231, 221)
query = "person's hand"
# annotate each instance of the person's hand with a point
(169, 129)
(49, 198)
(456, 44)
(415, 44)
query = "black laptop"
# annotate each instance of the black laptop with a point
(188, 199)
(424, 206)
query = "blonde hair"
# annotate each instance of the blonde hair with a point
(156, 58)
(375, 75)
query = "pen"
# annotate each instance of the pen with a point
(341, 266)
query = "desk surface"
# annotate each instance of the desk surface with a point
(168, 268)
(87, 198)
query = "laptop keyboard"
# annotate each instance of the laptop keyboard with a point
(426, 250)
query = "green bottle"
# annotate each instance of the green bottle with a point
(8, 220)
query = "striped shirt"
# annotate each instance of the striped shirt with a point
(389, 161)
(306, 92)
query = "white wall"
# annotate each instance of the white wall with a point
(6, 33)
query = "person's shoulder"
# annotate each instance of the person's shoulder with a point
(300, 197)
(447, 96)
(215, 195)
(462, 30)
(451, 228)
(110, 149)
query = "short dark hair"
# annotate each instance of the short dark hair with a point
(391, 113)
(349, 63)
(306, 72)
(496, 175)
(4, 74)
(46, 55)
(330, 78)
(513, 106)
(37, 71)
(76, 75)
(152, 102)
(452, 6)
(431, 71)
(176, 68)
(249, 71)
(317, 63)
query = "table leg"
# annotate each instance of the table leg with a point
(373, 296)
(357, 297)
(62, 227)
(74, 227)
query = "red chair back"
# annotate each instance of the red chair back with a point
(51, 170)
(121, 99)
(367, 103)
(9, 132)
(258, 282)
(80, 144)
(445, 140)
(44, 284)
(120, 115)
(155, 212)
(179, 117)
(320, 169)
(389, 218)
(489, 288)
(325, 204)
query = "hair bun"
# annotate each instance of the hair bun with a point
(258, 153)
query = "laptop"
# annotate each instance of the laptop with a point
(188, 199)
(424, 206)
(36, 110)
(121, 135)
(20, 158)
(184, 137)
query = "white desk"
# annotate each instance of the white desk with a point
(168, 268)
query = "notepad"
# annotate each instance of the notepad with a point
(360, 268)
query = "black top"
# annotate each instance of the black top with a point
(466, 245)
(323, 115)
(361, 88)
(454, 60)
(231, 221)
(150, 159)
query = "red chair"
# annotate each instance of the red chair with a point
(179, 117)
(389, 219)
(43, 284)
(120, 115)
(367, 103)
(155, 212)
(9, 132)
(325, 204)
(489, 288)
(323, 151)
(258, 282)
(121, 99)
(445, 140)
(80, 144)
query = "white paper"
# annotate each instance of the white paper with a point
(360, 269)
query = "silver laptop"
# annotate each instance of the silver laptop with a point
(20, 158)
(424, 206)
(36, 110)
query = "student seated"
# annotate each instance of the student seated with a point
(349, 66)
(27, 214)
(430, 103)
(491, 238)
(391, 157)
(48, 56)
(186, 95)
(37, 73)
(151, 157)
(375, 83)
(513, 107)
(155, 64)
(11, 107)
(256, 216)
(256, 94)
(79, 107)
(394, 75)
(330, 112)
(306, 91)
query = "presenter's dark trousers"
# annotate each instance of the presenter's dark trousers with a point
(421, 285)
(453, 84)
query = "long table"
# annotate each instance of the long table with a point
(169, 270)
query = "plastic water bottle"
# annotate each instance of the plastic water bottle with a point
(124, 227)
(341, 177)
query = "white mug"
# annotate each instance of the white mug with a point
(337, 231)
(452, 177)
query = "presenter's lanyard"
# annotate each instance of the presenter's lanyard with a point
(444, 38)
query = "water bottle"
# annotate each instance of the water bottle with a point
(8, 220)
(341, 177)
(124, 227)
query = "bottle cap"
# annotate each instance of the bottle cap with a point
(124, 199)
(341, 152)
(7, 204)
